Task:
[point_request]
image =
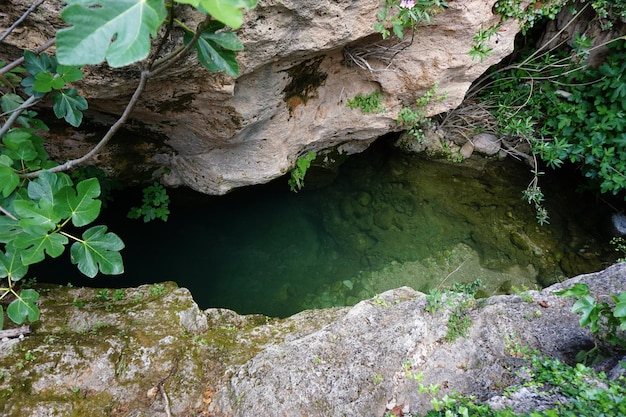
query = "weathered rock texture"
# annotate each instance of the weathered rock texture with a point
(215, 133)
(100, 354)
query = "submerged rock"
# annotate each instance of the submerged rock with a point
(150, 351)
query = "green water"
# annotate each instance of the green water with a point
(384, 220)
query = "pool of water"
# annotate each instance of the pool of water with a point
(383, 220)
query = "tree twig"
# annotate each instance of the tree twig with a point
(162, 389)
(450, 274)
(16, 113)
(143, 79)
(164, 63)
(21, 19)
(20, 60)
(17, 332)
(8, 214)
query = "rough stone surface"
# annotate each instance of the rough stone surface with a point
(98, 356)
(215, 133)
(467, 149)
(486, 143)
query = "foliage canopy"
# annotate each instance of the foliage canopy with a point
(42, 209)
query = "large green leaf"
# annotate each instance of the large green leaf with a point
(116, 30)
(24, 306)
(33, 246)
(36, 217)
(16, 137)
(68, 104)
(586, 306)
(46, 81)
(9, 229)
(578, 290)
(619, 310)
(226, 11)
(11, 266)
(81, 204)
(10, 102)
(47, 185)
(22, 145)
(98, 251)
(216, 51)
(69, 73)
(36, 64)
(9, 180)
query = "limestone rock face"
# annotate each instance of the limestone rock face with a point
(303, 59)
(149, 351)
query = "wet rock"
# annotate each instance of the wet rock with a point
(521, 242)
(384, 218)
(364, 199)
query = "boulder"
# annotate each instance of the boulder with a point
(467, 149)
(303, 60)
(486, 143)
(149, 351)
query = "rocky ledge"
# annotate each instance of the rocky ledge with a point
(303, 59)
(150, 351)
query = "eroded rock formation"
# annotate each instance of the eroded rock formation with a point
(215, 133)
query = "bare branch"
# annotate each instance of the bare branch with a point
(143, 79)
(20, 20)
(17, 332)
(16, 113)
(8, 214)
(164, 63)
(162, 389)
(20, 60)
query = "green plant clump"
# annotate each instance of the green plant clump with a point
(586, 393)
(296, 181)
(155, 204)
(586, 122)
(459, 297)
(403, 14)
(607, 322)
(413, 118)
(370, 103)
(567, 110)
(529, 14)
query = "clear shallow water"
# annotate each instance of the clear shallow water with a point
(386, 219)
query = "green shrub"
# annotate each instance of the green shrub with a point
(370, 103)
(296, 181)
(587, 393)
(586, 122)
(413, 118)
(605, 321)
(405, 14)
(155, 204)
